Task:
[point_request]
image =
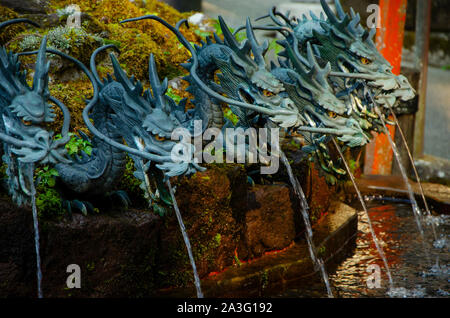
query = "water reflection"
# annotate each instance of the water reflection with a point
(396, 230)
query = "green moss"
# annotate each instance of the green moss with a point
(217, 238)
(101, 26)
(321, 251)
(7, 34)
(264, 279)
(131, 184)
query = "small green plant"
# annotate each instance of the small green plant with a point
(275, 46)
(201, 33)
(114, 42)
(227, 113)
(176, 98)
(295, 144)
(46, 176)
(48, 200)
(90, 266)
(353, 165)
(264, 279)
(76, 145)
(321, 251)
(236, 259)
(129, 181)
(218, 238)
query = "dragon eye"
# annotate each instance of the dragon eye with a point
(159, 138)
(267, 93)
(365, 61)
(332, 114)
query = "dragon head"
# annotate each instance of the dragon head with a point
(148, 119)
(342, 41)
(307, 84)
(29, 104)
(247, 60)
(351, 47)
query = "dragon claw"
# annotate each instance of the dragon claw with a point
(123, 198)
(84, 207)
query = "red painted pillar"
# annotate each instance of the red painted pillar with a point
(389, 41)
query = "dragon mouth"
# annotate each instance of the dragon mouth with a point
(245, 96)
(388, 89)
(265, 86)
(347, 67)
(266, 81)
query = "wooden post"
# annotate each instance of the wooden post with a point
(389, 40)
(422, 43)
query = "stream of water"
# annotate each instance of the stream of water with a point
(186, 242)
(396, 230)
(309, 233)
(415, 206)
(366, 212)
(36, 244)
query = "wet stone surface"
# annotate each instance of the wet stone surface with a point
(413, 275)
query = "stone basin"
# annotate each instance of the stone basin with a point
(136, 253)
(334, 237)
(438, 195)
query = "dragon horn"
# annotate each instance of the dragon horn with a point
(14, 21)
(340, 24)
(120, 74)
(157, 89)
(368, 36)
(228, 37)
(258, 51)
(319, 74)
(40, 80)
(352, 26)
(339, 9)
(94, 55)
(274, 13)
(330, 14)
(294, 59)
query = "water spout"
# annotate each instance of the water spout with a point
(36, 240)
(363, 204)
(186, 241)
(415, 207)
(427, 209)
(317, 261)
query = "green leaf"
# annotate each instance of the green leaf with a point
(88, 150)
(163, 192)
(51, 182)
(161, 211)
(73, 149)
(202, 33)
(275, 46)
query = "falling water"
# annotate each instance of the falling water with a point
(413, 166)
(36, 241)
(309, 234)
(186, 241)
(415, 207)
(363, 204)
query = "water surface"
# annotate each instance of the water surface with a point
(396, 229)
